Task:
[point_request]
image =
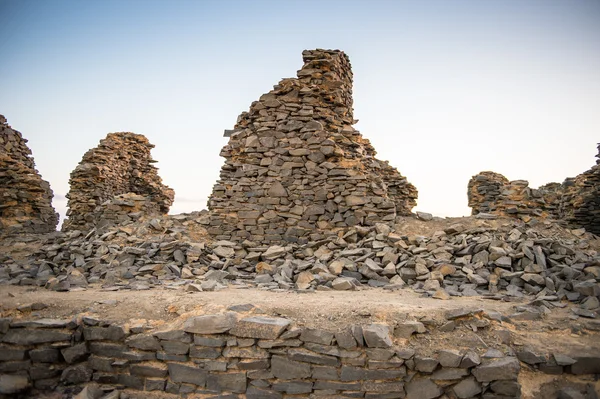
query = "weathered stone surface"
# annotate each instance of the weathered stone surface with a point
(467, 388)
(145, 342)
(261, 327)
(497, 369)
(183, 373)
(75, 353)
(589, 364)
(232, 382)
(377, 336)
(210, 324)
(37, 336)
(294, 387)
(317, 336)
(12, 384)
(288, 369)
(422, 388)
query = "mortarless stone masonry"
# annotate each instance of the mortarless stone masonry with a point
(25, 199)
(575, 202)
(295, 167)
(580, 203)
(121, 164)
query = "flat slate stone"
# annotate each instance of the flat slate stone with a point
(261, 327)
(44, 323)
(287, 369)
(498, 369)
(232, 382)
(37, 336)
(210, 324)
(191, 375)
(422, 388)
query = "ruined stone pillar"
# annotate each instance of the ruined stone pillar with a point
(118, 175)
(296, 168)
(25, 199)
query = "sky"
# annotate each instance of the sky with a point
(443, 89)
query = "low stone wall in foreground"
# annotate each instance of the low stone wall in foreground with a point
(228, 355)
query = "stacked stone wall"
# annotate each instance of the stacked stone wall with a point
(25, 199)
(295, 167)
(121, 164)
(580, 203)
(576, 201)
(492, 193)
(256, 356)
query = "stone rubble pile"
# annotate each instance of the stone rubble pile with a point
(121, 164)
(580, 202)
(25, 199)
(515, 261)
(575, 202)
(295, 167)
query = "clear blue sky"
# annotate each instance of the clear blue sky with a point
(443, 89)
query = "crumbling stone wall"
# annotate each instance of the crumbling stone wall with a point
(25, 199)
(576, 201)
(121, 164)
(580, 203)
(296, 167)
(490, 192)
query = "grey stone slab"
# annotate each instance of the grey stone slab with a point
(316, 336)
(149, 369)
(422, 388)
(287, 369)
(146, 342)
(23, 336)
(261, 327)
(75, 353)
(188, 374)
(377, 336)
(293, 387)
(231, 382)
(210, 324)
(304, 355)
(110, 333)
(467, 388)
(497, 369)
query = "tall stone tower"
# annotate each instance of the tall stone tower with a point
(295, 168)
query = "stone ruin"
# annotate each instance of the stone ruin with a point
(575, 202)
(25, 199)
(114, 183)
(492, 193)
(580, 202)
(295, 167)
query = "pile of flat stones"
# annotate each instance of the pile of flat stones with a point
(511, 262)
(295, 167)
(120, 164)
(25, 199)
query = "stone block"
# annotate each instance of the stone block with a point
(261, 327)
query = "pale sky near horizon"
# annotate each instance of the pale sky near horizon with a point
(443, 89)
